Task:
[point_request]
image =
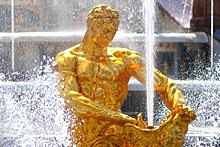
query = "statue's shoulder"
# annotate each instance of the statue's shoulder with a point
(130, 57)
(67, 58)
(71, 52)
(120, 52)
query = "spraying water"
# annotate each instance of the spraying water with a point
(183, 13)
(212, 31)
(149, 24)
(12, 38)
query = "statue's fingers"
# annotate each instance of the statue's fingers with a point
(181, 111)
(141, 122)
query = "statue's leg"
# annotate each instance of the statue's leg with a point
(92, 132)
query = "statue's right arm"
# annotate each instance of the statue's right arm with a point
(75, 102)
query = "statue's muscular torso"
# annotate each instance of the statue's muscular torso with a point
(104, 79)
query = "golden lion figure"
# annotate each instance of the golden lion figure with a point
(93, 80)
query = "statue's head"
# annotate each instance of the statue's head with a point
(102, 13)
(103, 22)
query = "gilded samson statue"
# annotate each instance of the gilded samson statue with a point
(93, 81)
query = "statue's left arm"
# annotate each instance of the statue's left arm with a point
(169, 92)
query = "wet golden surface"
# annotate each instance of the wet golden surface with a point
(93, 80)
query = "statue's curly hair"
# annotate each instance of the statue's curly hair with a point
(102, 13)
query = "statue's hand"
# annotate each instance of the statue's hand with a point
(121, 118)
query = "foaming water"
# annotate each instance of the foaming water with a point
(32, 113)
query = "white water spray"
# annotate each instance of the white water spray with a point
(12, 37)
(212, 32)
(183, 13)
(149, 53)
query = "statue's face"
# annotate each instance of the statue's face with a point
(104, 33)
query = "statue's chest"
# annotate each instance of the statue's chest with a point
(109, 70)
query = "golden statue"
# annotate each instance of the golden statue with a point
(93, 80)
